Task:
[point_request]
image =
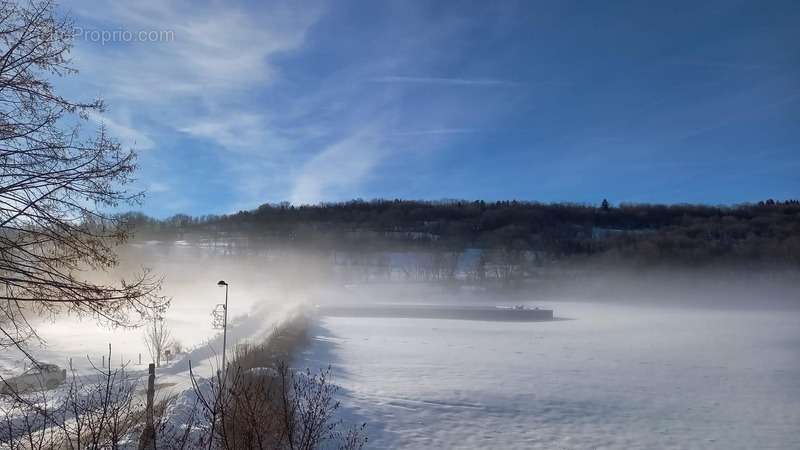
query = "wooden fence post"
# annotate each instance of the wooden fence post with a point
(148, 438)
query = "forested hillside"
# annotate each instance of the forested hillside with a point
(767, 233)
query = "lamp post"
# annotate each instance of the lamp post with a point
(224, 323)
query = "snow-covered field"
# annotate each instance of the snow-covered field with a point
(613, 377)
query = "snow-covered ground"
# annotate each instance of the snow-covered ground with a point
(615, 376)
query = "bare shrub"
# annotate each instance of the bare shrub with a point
(259, 402)
(100, 410)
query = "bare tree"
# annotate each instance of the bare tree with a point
(157, 338)
(57, 187)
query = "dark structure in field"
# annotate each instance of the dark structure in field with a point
(505, 314)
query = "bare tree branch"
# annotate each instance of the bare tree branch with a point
(58, 187)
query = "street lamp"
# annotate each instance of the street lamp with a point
(224, 322)
(220, 320)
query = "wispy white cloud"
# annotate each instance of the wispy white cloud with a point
(476, 82)
(438, 131)
(241, 131)
(201, 81)
(722, 65)
(157, 187)
(339, 169)
(122, 129)
(218, 48)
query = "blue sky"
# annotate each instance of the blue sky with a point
(253, 102)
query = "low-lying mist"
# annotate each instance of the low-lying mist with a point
(287, 275)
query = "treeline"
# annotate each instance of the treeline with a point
(766, 233)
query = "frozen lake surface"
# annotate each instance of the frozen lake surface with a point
(614, 377)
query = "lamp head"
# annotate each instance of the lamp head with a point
(222, 283)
